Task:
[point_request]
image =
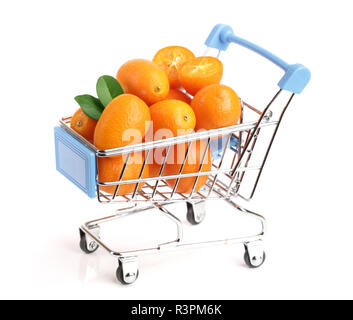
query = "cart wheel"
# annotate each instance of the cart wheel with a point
(128, 278)
(255, 261)
(88, 248)
(195, 212)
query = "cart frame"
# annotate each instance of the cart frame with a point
(235, 147)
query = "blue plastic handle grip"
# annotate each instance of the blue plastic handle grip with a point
(296, 76)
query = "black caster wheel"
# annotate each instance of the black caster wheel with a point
(195, 212)
(255, 261)
(128, 279)
(87, 247)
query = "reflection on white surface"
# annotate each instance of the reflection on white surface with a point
(89, 267)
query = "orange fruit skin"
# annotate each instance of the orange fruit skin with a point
(177, 117)
(125, 112)
(200, 72)
(156, 157)
(174, 115)
(170, 59)
(144, 79)
(216, 106)
(109, 170)
(154, 170)
(192, 165)
(178, 95)
(83, 125)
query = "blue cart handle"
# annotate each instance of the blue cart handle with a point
(296, 76)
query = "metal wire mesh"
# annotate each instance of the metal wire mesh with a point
(231, 152)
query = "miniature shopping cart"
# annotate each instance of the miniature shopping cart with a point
(238, 156)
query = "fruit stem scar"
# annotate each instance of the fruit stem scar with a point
(157, 89)
(186, 118)
(79, 123)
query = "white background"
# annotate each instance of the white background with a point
(54, 50)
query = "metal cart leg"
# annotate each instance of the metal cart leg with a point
(196, 212)
(128, 270)
(254, 255)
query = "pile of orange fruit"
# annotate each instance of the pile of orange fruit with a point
(174, 94)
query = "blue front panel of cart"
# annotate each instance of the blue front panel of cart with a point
(75, 161)
(217, 146)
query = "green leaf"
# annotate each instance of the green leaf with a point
(107, 89)
(90, 105)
